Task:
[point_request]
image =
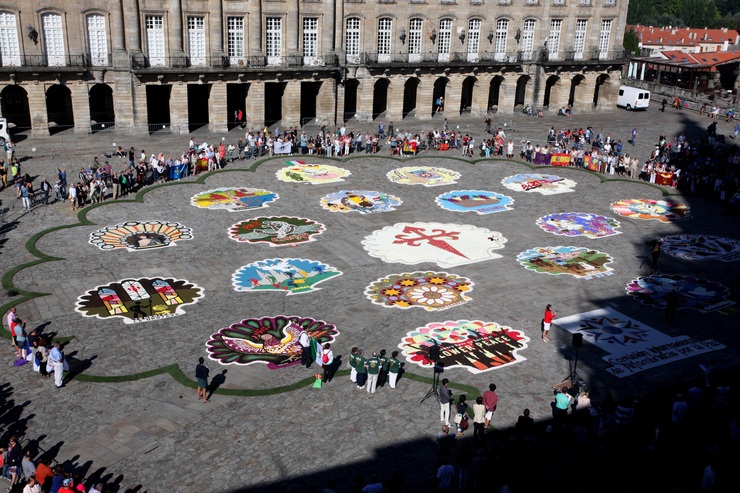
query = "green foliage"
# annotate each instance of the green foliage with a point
(631, 42)
(682, 13)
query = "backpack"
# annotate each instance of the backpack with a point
(464, 422)
(325, 358)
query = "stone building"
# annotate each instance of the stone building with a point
(147, 65)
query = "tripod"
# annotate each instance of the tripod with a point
(435, 384)
(573, 376)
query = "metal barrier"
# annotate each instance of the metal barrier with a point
(96, 127)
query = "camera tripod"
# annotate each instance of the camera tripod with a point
(435, 384)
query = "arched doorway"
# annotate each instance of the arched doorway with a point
(410, 90)
(440, 88)
(102, 114)
(494, 93)
(380, 97)
(466, 98)
(59, 108)
(552, 86)
(351, 87)
(15, 106)
(521, 90)
(574, 84)
(601, 91)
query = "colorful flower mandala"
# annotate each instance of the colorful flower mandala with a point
(270, 340)
(692, 292)
(659, 210)
(432, 291)
(579, 224)
(701, 247)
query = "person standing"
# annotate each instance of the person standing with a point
(445, 400)
(305, 341)
(327, 362)
(654, 255)
(56, 359)
(25, 197)
(373, 370)
(663, 105)
(361, 367)
(72, 196)
(394, 367)
(479, 419)
(634, 136)
(351, 361)
(384, 364)
(490, 401)
(201, 375)
(547, 322)
(27, 465)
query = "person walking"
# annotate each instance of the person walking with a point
(373, 370)
(479, 419)
(445, 400)
(201, 376)
(547, 322)
(394, 366)
(56, 359)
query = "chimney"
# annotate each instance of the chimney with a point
(724, 29)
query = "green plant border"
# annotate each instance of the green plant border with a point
(174, 370)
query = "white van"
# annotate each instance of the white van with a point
(633, 98)
(3, 131)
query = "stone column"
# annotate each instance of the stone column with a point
(365, 99)
(179, 108)
(453, 96)
(293, 28)
(118, 43)
(291, 104)
(217, 26)
(217, 110)
(256, 105)
(325, 102)
(584, 96)
(37, 108)
(80, 96)
(507, 93)
(175, 28)
(255, 34)
(132, 24)
(140, 117)
(394, 108)
(123, 101)
(480, 95)
(425, 97)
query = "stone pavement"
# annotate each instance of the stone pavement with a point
(149, 432)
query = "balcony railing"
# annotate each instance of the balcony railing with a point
(74, 61)
(236, 63)
(586, 56)
(431, 58)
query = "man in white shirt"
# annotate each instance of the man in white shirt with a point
(56, 358)
(305, 341)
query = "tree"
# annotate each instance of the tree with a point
(631, 43)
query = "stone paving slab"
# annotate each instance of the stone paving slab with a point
(153, 435)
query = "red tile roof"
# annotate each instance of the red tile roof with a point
(667, 36)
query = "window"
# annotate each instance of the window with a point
(473, 39)
(155, 39)
(385, 27)
(445, 39)
(553, 44)
(10, 53)
(604, 34)
(235, 38)
(579, 41)
(415, 40)
(502, 28)
(97, 39)
(352, 41)
(528, 38)
(197, 40)
(310, 40)
(274, 40)
(53, 39)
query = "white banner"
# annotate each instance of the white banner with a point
(283, 148)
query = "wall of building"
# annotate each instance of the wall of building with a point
(144, 65)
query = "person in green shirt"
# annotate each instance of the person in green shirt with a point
(383, 376)
(351, 362)
(394, 366)
(373, 370)
(361, 368)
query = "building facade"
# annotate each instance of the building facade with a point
(655, 40)
(146, 65)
